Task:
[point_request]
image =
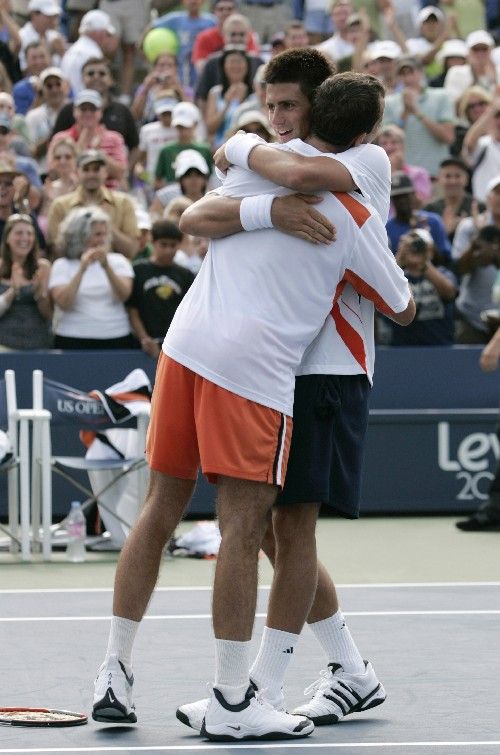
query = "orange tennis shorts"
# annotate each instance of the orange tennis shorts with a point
(197, 423)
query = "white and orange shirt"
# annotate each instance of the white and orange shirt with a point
(261, 298)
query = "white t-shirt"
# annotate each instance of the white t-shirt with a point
(96, 311)
(487, 154)
(75, 57)
(260, 298)
(346, 343)
(40, 122)
(152, 137)
(28, 35)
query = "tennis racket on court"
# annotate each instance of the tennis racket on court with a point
(40, 717)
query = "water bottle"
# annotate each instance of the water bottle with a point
(76, 527)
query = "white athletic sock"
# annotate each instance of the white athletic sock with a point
(121, 638)
(231, 669)
(275, 653)
(335, 639)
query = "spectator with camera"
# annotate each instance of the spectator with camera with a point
(164, 75)
(407, 217)
(476, 251)
(434, 289)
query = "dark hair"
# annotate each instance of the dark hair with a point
(165, 229)
(248, 76)
(31, 263)
(345, 106)
(96, 61)
(304, 66)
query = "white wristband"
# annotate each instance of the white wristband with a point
(237, 149)
(255, 212)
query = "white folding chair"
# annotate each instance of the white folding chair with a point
(19, 528)
(45, 463)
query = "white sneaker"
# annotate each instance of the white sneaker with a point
(113, 693)
(337, 693)
(253, 718)
(192, 714)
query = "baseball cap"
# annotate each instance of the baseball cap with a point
(493, 183)
(424, 234)
(353, 19)
(89, 156)
(479, 37)
(185, 114)
(90, 97)
(384, 49)
(188, 159)
(429, 10)
(47, 7)
(51, 71)
(8, 166)
(408, 61)
(96, 20)
(5, 121)
(166, 102)
(452, 48)
(144, 222)
(253, 116)
(401, 184)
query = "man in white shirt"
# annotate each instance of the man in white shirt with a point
(338, 45)
(330, 406)
(97, 38)
(42, 26)
(40, 120)
(238, 336)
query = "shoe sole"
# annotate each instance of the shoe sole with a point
(113, 716)
(363, 705)
(270, 735)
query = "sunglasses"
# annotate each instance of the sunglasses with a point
(6, 184)
(481, 103)
(53, 84)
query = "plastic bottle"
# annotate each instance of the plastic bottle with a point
(76, 526)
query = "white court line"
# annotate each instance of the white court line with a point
(184, 616)
(249, 746)
(206, 588)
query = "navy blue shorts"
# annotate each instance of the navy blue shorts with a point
(330, 417)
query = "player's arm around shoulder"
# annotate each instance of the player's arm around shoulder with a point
(298, 172)
(213, 216)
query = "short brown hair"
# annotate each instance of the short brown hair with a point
(345, 106)
(304, 66)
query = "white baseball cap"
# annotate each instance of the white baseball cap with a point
(51, 71)
(189, 159)
(452, 48)
(479, 37)
(90, 97)
(493, 183)
(185, 114)
(144, 222)
(429, 10)
(47, 7)
(96, 20)
(384, 49)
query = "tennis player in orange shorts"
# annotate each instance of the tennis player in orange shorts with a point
(253, 446)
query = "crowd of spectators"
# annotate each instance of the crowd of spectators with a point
(104, 142)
